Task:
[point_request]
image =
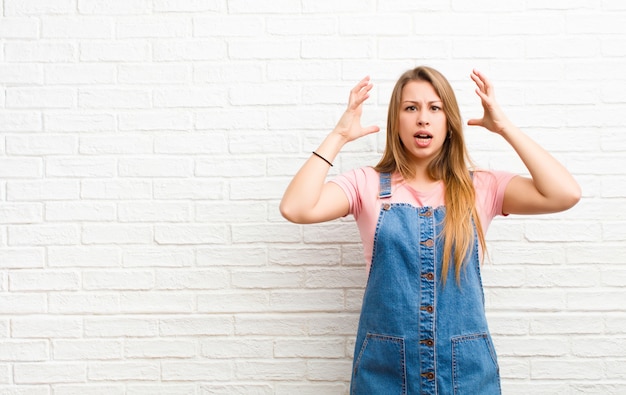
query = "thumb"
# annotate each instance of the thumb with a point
(371, 129)
(475, 122)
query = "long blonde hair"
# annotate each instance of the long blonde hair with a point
(450, 166)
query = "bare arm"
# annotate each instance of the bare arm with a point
(551, 187)
(308, 199)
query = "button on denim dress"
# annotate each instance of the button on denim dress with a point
(417, 335)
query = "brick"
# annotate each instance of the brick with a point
(23, 168)
(190, 234)
(21, 73)
(40, 98)
(155, 167)
(80, 349)
(19, 27)
(240, 255)
(153, 121)
(76, 27)
(157, 257)
(222, 73)
(22, 258)
(237, 167)
(170, 26)
(206, 143)
(80, 389)
(153, 212)
(138, 302)
(79, 122)
(191, 279)
(253, 7)
(194, 371)
(111, 327)
(311, 388)
(117, 234)
(187, 50)
(310, 348)
(187, 6)
(266, 189)
(329, 370)
(37, 51)
(92, 256)
(117, 280)
(115, 189)
(49, 373)
(83, 303)
(96, 98)
(43, 281)
(43, 235)
(326, 6)
(327, 48)
(34, 7)
(38, 145)
(128, 143)
(232, 26)
(267, 279)
(160, 389)
(205, 325)
(112, 7)
(23, 350)
(120, 371)
(156, 73)
(71, 167)
(270, 369)
(192, 189)
(45, 326)
(284, 233)
(160, 348)
(234, 302)
(566, 369)
(113, 51)
(225, 348)
(21, 213)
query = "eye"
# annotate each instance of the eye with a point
(435, 108)
(411, 108)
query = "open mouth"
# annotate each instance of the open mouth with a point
(423, 136)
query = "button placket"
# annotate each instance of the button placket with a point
(427, 277)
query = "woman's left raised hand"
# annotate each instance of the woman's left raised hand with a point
(493, 118)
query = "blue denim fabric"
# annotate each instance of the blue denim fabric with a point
(417, 336)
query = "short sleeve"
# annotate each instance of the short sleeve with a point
(490, 187)
(358, 185)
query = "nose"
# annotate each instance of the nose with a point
(422, 122)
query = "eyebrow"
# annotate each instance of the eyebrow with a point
(417, 102)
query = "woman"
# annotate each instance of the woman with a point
(422, 215)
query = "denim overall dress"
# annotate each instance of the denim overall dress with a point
(417, 335)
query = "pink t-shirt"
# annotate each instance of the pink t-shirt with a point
(361, 186)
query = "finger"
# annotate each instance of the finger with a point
(476, 78)
(487, 86)
(475, 122)
(361, 84)
(371, 129)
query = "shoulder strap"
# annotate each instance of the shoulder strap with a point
(385, 186)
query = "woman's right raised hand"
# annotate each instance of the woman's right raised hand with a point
(349, 125)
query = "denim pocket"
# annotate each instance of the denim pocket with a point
(380, 366)
(474, 365)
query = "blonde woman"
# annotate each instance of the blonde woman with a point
(422, 215)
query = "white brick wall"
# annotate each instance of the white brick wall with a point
(145, 144)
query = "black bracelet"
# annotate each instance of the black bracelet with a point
(322, 158)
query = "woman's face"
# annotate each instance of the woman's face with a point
(422, 121)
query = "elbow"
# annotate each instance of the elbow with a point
(289, 213)
(571, 198)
